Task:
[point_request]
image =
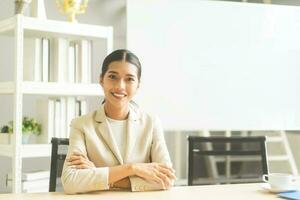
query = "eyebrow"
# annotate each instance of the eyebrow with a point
(114, 72)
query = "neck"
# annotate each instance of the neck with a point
(118, 113)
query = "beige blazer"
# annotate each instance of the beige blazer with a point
(91, 135)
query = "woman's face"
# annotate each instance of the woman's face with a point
(120, 83)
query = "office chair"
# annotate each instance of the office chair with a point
(226, 160)
(58, 156)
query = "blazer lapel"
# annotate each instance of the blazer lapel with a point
(132, 131)
(106, 133)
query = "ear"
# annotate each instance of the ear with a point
(138, 86)
(101, 81)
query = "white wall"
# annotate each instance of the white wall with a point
(218, 65)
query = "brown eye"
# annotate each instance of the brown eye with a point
(131, 79)
(112, 76)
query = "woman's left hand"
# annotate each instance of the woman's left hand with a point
(80, 161)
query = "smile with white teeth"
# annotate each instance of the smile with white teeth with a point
(118, 95)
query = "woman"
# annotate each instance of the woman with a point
(118, 145)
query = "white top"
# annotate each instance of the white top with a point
(119, 130)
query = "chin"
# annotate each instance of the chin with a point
(120, 104)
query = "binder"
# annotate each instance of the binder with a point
(293, 195)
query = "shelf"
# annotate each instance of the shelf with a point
(53, 88)
(28, 150)
(36, 150)
(20, 27)
(34, 27)
(61, 89)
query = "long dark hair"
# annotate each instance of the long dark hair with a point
(119, 55)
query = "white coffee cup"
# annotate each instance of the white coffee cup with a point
(279, 181)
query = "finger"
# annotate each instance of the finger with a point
(75, 162)
(79, 154)
(158, 180)
(76, 158)
(161, 177)
(165, 179)
(166, 167)
(73, 157)
(167, 172)
(79, 162)
(155, 179)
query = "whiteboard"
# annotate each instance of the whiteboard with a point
(217, 65)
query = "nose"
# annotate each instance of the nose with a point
(121, 84)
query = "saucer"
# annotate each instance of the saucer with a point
(266, 186)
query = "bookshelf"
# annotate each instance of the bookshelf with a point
(28, 150)
(52, 88)
(21, 27)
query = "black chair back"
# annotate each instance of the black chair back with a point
(58, 156)
(225, 160)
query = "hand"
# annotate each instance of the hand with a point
(157, 172)
(80, 161)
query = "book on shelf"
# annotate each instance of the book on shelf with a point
(77, 69)
(83, 107)
(45, 59)
(63, 118)
(33, 175)
(36, 59)
(80, 107)
(46, 115)
(57, 118)
(56, 115)
(59, 56)
(70, 113)
(71, 62)
(32, 59)
(77, 108)
(33, 185)
(84, 59)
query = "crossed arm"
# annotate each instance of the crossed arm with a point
(118, 175)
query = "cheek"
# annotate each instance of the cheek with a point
(133, 89)
(105, 87)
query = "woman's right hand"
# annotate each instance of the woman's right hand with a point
(157, 172)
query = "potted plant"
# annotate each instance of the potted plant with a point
(30, 127)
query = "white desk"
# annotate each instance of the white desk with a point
(211, 192)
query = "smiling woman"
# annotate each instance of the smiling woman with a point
(120, 77)
(118, 145)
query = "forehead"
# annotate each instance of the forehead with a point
(122, 68)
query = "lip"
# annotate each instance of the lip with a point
(118, 95)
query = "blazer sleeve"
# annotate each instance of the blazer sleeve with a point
(82, 180)
(159, 154)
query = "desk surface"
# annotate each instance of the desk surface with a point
(211, 192)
